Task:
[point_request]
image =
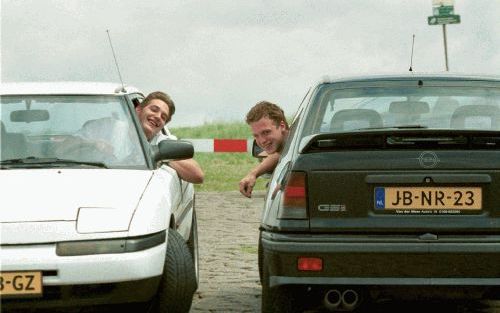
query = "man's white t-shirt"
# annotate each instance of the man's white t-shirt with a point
(161, 136)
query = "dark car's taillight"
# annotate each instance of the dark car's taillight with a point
(294, 197)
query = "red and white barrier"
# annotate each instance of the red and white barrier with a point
(221, 145)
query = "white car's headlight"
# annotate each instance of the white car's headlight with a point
(98, 220)
(107, 246)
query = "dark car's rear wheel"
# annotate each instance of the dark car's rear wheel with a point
(175, 293)
(260, 256)
(280, 299)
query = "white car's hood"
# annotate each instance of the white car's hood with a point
(57, 194)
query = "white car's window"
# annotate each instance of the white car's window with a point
(80, 128)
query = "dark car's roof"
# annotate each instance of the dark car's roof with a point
(410, 76)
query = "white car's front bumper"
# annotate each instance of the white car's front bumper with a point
(84, 269)
(115, 277)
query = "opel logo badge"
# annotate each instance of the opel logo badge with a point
(428, 159)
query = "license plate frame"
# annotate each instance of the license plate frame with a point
(429, 199)
(21, 284)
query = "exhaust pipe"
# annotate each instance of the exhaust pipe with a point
(332, 299)
(350, 299)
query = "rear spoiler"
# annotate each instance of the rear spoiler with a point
(401, 139)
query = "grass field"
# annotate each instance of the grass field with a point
(223, 171)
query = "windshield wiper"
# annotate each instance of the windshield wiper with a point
(41, 161)
(414, 126)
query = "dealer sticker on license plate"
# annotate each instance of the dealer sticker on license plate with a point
(20, 283)
(428, 198)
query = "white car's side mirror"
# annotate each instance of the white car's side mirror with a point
(173, 150)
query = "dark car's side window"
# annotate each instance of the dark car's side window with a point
(291, 133)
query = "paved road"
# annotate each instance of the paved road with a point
(228, 233)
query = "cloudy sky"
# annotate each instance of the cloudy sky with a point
(217, 58)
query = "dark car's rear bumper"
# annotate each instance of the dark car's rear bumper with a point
(384, 260)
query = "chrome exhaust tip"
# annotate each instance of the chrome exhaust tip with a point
(332, 299)
(350, 299)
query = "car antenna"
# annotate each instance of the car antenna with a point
(411, 58)
(116, 62)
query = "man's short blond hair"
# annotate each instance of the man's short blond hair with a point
(266, 109)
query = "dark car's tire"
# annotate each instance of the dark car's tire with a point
(193, 248)
(175, 293)
(260, 257)
(281, 299)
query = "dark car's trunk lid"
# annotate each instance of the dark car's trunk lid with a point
(415, 181)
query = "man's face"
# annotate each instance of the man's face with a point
(153, 117)
(268, 135)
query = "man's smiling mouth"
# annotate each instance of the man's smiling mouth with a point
(153, 124)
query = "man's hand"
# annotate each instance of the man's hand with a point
(246, 185)
(267, 165)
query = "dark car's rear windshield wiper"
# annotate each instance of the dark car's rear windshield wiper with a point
(415, 126)
(42, 161)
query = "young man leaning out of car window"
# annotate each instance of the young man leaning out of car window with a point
(270, 130)
(154, 112)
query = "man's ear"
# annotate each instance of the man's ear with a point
(282, 125)
(138, 109)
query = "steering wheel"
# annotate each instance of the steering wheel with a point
(75, 147)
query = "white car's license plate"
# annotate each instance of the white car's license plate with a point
(21, 283)
(428, 198)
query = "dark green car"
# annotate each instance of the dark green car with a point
(388, 187)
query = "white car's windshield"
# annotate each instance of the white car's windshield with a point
(96, 129)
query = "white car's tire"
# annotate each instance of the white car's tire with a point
(175, 293)
(193, 248)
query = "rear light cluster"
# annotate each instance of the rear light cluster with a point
(294, 197)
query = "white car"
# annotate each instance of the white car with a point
(89, 211)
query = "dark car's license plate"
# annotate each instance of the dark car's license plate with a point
(20, 284)
(428, 198)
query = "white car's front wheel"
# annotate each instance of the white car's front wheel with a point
(175, 293)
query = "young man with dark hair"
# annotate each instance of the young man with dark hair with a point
(270, 130)
(154, 112)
